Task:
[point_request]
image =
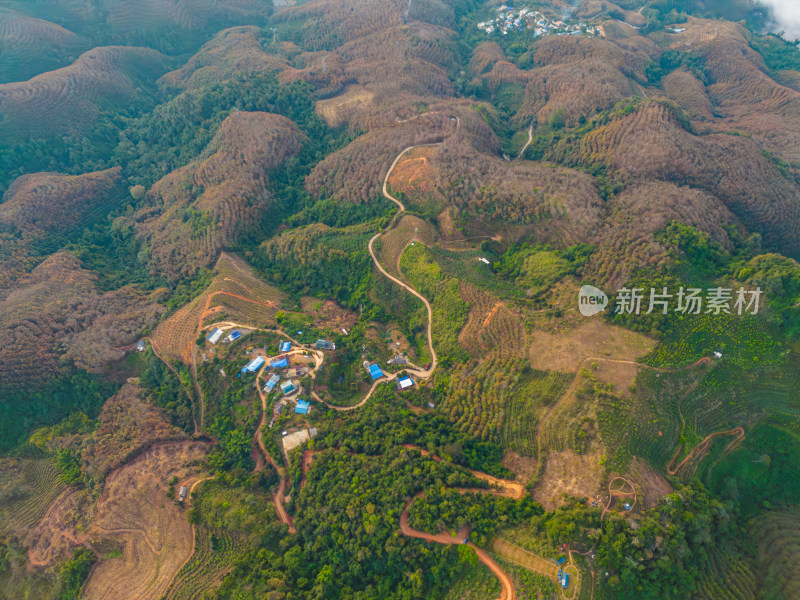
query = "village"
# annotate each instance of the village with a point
(285, 381)
(510, 19)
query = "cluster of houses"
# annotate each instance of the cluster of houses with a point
(215, 335)
(512, 19)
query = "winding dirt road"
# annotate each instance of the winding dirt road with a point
(701, 450)
(506, 584)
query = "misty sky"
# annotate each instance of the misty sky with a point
(787, 15)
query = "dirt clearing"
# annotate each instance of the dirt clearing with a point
(570, 473)
(134, 514)
(566, 351)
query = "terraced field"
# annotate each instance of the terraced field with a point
(29, 486)
(729, 576)
(395, 241)
(413, 177)
(538, 391)
(69, 99)
(214, 554)
(492, 327)
(234, 291)
(777, 536)
(29, 46)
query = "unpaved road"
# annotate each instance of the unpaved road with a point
(507, 586)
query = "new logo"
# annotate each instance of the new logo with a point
(591, 301)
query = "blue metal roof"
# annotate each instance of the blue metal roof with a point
(254, 364)
(279, 364)
(302, 407)
(235, 335)
(285, 346)
(375, 371)
(272, 382)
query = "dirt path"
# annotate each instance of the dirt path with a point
(507, 586)
(371, 246)
(171, 368)
(539, 458)
(308, 457)
(701, 450)
(528, 143)
(612, 494)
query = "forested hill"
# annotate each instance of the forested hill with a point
(287, 289)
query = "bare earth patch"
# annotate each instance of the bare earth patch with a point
(134, 513)
(570, 473)
(524, 467)
(566, 351)
(653, 486)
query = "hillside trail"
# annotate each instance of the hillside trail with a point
(619, 493)
(187, 392)
(699, 451)
(539, 459)
(507, 587)
(528, 143)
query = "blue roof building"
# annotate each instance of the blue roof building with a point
(302, 407)
(287, 387)
(285, 346)
(375, 371)
(254, 365)
(279, 363)
(234, 335)
(273, 381)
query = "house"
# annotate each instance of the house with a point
(627, 505)
(254, 365)
(431, 405)
(296, 372)
(279, 408)
(182, 493)
(324, 345)
(717, 355)
(404, 383)
(279, 363)
(287, 387)
(273, 381)
(398, 360)
(561, 560)
(141, 346)
(344, 331)
(302, 408)
(214, 336)
(565, 581)
(285, 346)
(233, 336)
(375, 371)
(484, 260)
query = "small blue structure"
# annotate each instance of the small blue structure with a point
(273, 381)
(234, 335)
(285, 346)
(302, 407)
(254, 365)
(404, 383)
(287, 387)
(565, 582)
(321, 344)
(279, 363)
(561, 560)
(375, 371)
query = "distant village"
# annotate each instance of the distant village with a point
(511, 19)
